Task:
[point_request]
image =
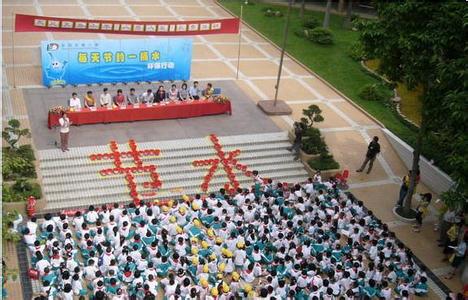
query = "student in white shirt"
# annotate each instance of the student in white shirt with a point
(75, 102)
(105, 99)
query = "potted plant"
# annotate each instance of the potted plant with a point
(312, 141)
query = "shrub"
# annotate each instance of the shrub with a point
(324, 162)
(15, 166)
(18, 162)
(312, 142)
(269, 13)
(267, 8)
(273, 13)
(356, 52)
(300, 32)
(13, 133)
(311, 23)
(321, 36)
(21, 190)
(374, 92)
(8, 195)
(8, 235)
(26, 152)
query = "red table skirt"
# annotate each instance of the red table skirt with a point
(178, 110)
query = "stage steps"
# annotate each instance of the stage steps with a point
(72, 180)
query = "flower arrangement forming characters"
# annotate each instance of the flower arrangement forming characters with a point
(130, 172)
(227, 160)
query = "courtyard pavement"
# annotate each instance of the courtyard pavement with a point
(346, 129)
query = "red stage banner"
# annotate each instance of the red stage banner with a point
(30, 23)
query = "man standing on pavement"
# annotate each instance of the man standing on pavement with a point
(372, 150)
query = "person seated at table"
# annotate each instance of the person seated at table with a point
(89, 100)
(147, 97)
(208, 91)
(160, 95)
(75, 102)
(194, 91)
(132, 98)
(119, 99)
(105, 98)
(173, 93)
(183, 92)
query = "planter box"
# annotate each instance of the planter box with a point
(305, 157)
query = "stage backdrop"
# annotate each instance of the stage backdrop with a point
(112, 61)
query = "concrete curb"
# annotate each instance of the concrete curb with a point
(403, 219)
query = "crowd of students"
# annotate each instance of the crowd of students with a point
(308, 241)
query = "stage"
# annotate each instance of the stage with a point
(246, 117)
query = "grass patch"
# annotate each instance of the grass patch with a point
(331, 62)
(411, 104)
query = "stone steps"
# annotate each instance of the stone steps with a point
(72, 180)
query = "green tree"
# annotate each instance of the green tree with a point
(424, 43)
(313, 114)
(13, 133)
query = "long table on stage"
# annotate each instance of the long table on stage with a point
(173, 110)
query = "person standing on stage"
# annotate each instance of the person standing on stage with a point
(105, 98)
(119, 99)
(64, 131)
(372, 150)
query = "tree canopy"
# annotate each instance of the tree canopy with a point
(424, 43)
